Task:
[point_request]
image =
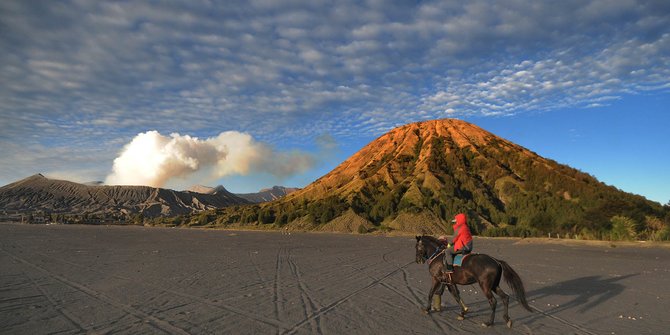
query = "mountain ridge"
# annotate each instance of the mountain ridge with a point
(268, 194)
(428, 171)
(413, 179)
(263, 195)
(39, 193)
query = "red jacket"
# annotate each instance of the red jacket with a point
(462, 235)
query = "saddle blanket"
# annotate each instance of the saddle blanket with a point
(459, 259)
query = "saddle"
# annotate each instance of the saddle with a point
(458, 260)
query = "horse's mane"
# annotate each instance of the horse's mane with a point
(431, 239)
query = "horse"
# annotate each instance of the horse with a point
(480, 268)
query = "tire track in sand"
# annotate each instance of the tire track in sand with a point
(309, 304)
(71, 318)
(278, 307)
(153, 321)
(216, 304)
(337, 302)
(563, 321)
(416, 301)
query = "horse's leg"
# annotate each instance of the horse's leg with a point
(505, 299)
(464, 308)
(433, 288)
(437, 298)
(457, 296)
(492, 303)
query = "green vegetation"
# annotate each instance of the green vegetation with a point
(623, 228)
(534, 207)
(506, 191)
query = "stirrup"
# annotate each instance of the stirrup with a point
(448, 279)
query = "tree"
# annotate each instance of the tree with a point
(361, 229)
(203, 219)
(543, 222)
(282, 219)
(623, 228)
(266, 216)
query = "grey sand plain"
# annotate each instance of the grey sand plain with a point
(137, 280)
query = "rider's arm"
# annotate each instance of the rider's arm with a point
(456, 236)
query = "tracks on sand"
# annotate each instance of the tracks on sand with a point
(563, 321)
(337, 302)
(152, 320)
(71, 318)
(286, 273)
(310, 305)
(132, 311)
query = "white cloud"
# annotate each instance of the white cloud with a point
(562, 79)
(154, 160)
(283, 73)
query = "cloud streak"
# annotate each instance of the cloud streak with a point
(557, 81)
(94, 74)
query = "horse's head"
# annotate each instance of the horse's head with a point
(421, 253)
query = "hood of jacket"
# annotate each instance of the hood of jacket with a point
(460, 220)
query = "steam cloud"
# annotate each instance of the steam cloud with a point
(153, 159)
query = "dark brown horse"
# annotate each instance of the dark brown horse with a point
(476, 268)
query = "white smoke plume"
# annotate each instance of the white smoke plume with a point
(154, 160)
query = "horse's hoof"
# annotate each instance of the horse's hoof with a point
(465, 310)
(509, 324)
(460, 318)
(486, 324)
(425, 310)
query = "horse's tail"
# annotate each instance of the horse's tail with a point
(514, 281)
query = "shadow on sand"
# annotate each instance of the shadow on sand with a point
(586, 292)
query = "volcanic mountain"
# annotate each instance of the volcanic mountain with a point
(264, 195)
(267, 194)
(38, 193)
(206, 189)
(416, 177)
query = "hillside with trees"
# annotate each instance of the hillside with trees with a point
(416, 177)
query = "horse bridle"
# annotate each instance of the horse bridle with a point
(432, 257)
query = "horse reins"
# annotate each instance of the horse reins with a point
(429, 260)
(435, 254)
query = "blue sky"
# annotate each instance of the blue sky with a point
(585, 83)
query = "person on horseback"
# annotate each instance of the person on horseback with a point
(462, 242)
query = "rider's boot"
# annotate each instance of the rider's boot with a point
(447, 265)
(437, 302)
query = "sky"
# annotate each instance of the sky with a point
(252, 94)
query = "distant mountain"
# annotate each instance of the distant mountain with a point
(264, 195)
(208, 190)
(38, 193)
(416, 177)
(267, 194)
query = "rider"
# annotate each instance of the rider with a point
(462, 242)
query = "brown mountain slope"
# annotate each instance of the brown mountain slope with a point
(409, 153)
(267, 194)
(38, 193)
(416, 177)
(264, 195)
